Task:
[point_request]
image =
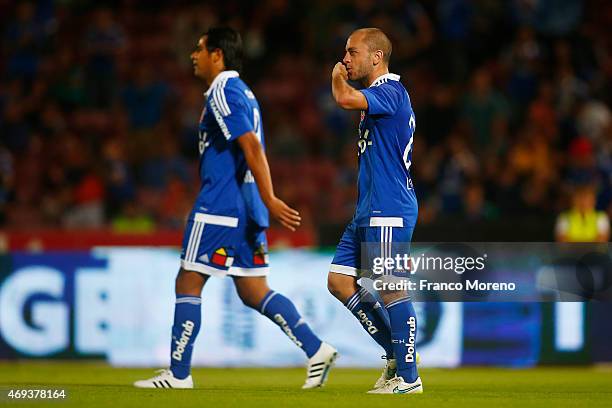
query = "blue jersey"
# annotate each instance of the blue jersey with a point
(386, 195)
(227, 185)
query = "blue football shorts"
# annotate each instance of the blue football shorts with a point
(361, 249)
(219, 245)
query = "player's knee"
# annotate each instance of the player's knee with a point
(332, 285)
(249, 300)
(339, 287)
(251, 290)
(189, 283)
(393, 296)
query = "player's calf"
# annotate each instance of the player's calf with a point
(321, 356)
(402, 317)
(364, 307)
(187, 320)
(282, 311)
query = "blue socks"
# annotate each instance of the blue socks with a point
(187, 319)
(403, 334)
(397, 336)
(281, 311)
(372, 317)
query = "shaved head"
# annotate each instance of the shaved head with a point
(376, 40)
(367, 55)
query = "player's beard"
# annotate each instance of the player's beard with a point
(363, 78)
(354, 75)
(360, 74)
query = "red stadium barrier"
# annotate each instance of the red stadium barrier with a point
(54, 239)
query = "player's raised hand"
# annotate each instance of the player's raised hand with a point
(284, 214)
(340, 71)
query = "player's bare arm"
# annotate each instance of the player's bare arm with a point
(256, 159)
(344, 94)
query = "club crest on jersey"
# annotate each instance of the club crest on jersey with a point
(362, 117)
(260, 256)
(222, 257)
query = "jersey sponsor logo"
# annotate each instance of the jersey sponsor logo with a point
(411, 339)
(363, 142)
(182, 342)
(278, 318)
(222, 257)
(366, 322)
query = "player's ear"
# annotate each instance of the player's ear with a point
(378, 57)
(217, 55)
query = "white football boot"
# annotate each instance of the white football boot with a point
(319, 366)
(397, 385)
(390, 370)
(165, 380)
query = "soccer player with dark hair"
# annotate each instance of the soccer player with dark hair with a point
(386, 210)
(225, 232)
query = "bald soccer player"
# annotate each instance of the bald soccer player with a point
(386, 210)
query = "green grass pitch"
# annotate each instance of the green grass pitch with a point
(91, 384)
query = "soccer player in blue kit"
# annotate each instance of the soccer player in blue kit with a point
(225, 232)
(386, 210)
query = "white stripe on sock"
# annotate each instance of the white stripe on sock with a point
(397, 302)
(263, 307)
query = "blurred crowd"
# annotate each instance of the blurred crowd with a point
(99, 106)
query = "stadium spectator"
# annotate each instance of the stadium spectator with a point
(515, 92)
(103, 41)
(583, 223)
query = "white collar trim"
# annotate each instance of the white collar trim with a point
(220, 77)
(384, 78)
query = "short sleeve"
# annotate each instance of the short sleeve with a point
(231, 112)
(384, 99)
